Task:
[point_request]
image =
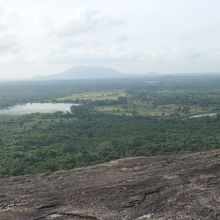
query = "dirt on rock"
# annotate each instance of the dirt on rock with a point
(160, 187)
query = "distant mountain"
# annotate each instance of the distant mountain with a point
(84, 72)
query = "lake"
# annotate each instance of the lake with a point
(30, 108)
(204, 115)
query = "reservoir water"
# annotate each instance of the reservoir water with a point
(30, 108)
(204, 115)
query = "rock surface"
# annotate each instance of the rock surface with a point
(161, 187)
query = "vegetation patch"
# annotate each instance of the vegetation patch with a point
(115, 119)
(94, 96)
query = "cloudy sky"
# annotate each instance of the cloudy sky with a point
(167, 36)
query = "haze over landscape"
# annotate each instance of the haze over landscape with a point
(50, 36)
(110, 110)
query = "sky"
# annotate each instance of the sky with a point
(42, 37)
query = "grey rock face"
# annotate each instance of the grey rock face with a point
(161, 187)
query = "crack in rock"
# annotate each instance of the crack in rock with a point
(47, 206)
(141, 200)
(69, 216)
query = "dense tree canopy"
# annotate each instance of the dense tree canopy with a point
(151, 119)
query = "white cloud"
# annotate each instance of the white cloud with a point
(141, 36)
(84, 21)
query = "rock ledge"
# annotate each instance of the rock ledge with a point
(161, 187)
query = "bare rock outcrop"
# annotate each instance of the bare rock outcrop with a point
(160, 187)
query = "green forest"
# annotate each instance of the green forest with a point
(115, 119)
